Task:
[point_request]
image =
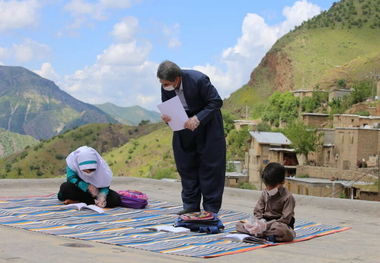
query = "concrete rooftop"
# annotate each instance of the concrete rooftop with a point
(360, 244)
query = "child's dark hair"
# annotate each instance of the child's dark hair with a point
(273, 174)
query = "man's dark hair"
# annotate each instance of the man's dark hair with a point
(273, 174)
(168, 70)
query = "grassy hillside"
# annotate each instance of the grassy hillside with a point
(317, 52)
(129, 115)
(147, 156)
(47, 159)
(11, 142)
(341, 43)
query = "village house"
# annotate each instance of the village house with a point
(266, 147)
(302, 93)
(316, 120)
(338, 93)
(355, 144)
(239, 124)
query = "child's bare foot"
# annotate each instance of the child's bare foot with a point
(69, 201)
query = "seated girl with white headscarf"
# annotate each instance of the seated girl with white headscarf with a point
(88, 180)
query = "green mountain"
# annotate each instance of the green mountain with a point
(129, 115)
(339, 44)
(11, 142)
(47, 159)
(35, 106)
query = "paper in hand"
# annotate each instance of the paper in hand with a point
(174, 109)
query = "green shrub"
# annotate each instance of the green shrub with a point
(59, 156)
(164, 172)
(246, 185)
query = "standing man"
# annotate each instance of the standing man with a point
(199, 149)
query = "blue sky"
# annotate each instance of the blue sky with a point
(108, 50)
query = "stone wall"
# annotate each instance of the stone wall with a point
(322, 190)
(366, 175)
(370, 196)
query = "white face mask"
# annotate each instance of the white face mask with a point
(169, 88)
(272, 192)
(89, 174)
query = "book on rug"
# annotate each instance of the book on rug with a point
(169, 228)
(236, 237)
(246, 238)
(80, 206)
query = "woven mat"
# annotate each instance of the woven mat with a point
(127, 227)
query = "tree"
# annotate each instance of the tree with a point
(361, 91)
(237, 143)
(281, 107)
(228, 122)
(263, 127)
(144, 122)
(310, 104)
(303, 138)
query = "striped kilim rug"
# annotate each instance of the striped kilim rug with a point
(127, 227)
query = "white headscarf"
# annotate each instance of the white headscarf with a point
(88, 158)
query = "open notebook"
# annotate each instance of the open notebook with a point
(169, 228)
(80, 206)
(246, 238)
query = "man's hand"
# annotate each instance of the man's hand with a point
(93, 190)
(166, 118)
(192, 123)
(101, 200)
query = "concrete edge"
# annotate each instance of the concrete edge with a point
(359, 206)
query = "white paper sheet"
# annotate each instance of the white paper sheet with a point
(174, 109)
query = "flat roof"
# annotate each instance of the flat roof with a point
(347, 115)
(312, 180)
(358, 116)
(302, 90)
(246, 121)
(276, 138)
(315, 114)
(282, 150)
(357, 128)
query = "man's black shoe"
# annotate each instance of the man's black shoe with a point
(189, 210)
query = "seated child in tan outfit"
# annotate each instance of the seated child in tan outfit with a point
(274, 211)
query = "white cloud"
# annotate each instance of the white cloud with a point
(256, 39)
(47, 71)
(174, 42)
(126, 29)
(171, 34)
(115, 3)
(124, 75)
(18, 14)
(125, 54)
(26, 51)
(30, 50)
(120, 84)
(3, 52)
(83, 10)
(145, 100)
(296, 14)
